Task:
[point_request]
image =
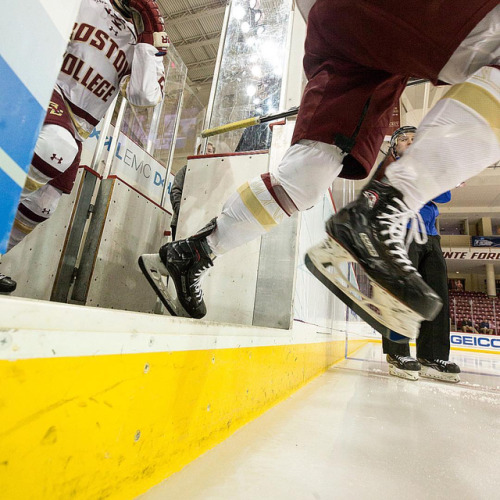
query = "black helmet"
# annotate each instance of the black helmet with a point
(399, 132)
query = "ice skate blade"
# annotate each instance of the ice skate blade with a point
(427, 372)
(390, 313)
(153, 269)
(406, 374)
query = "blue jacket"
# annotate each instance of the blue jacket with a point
(430, 211)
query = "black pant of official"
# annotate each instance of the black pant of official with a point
(434, 339)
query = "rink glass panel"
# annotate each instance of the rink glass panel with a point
(189, 131)
(175, 81)
(153, 129)
(252, 66)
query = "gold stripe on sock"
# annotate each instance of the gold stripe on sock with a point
(24, 228)
(256, 208)
(31, 185)
(480, 100)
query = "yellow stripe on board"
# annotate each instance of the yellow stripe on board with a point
(456, 348)
(256, 208)
(480, 100)
(113, 426)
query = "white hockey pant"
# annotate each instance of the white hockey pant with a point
(303, 176)
(55, 151)
(460, 136)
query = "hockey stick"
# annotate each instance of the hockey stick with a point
(256, 120)
(249, 122)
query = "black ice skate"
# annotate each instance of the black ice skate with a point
(403, 366)
(184, 261)
(371, 232)
(440, 370)
(7, 284)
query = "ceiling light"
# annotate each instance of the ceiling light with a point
(239, 12)
(257, 15)
(256, 71)
(251, 90)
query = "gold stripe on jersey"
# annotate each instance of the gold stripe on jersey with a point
(81, 131)
(123, 86)
(480, 100)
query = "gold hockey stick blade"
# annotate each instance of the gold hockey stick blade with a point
(383, 311)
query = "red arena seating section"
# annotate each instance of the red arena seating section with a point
(474, 305)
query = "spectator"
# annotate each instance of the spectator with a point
(177, 187)
(484, 327)
(467, 326)
(210, 149)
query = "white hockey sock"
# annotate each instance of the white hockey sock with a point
(457, 139)
(34, 208)
(305, 173)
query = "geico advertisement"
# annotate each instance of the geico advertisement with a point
(479, 342)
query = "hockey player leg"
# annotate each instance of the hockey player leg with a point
(458, 138)
(184, 261)
(33, 209)
(433, 343)
(403, 366)
(400, 362)
(304, 175)
(7, 284)
(55, 151)
(440, 369)
(370, 232)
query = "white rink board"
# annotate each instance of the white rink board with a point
(39, 329)
(229, 286)
(134, 225)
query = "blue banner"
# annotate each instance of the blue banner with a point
(485, 241)
(9, 198)
(22, 118)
